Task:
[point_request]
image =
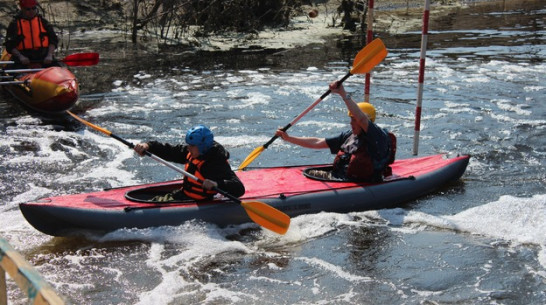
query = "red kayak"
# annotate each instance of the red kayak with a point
(49, 90)
(288, 189)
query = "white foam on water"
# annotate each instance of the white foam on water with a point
(13, 221)
(533, 88)
(321, 126)
(513, 219)
(41, 146)
(310, 226)
(517, 121)
(195, 242)
(247, 140)
(33, 193)
(252, 99)
(114, 171)
(334, 269)
(512, 106)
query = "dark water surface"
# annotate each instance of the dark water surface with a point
(478, 241)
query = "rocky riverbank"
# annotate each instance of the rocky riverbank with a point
(102, 26)
(79, 23)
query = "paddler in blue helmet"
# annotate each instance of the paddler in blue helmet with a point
(363, 153)
(204, 158)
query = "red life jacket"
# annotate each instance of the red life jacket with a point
(192, 188)
(359, 165)
(33, 32)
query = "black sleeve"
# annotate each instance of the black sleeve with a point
(171, 153)
(12, 39)
(220, 172)
(335, 143)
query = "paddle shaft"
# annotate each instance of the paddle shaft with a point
(15, 82)
(78, 59)
(11, 62)
(294, 121)
(21, 70)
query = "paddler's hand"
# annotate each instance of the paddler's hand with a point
(337, 88)
(48, 60)
(141, 148)
(24, 60)
(209, 184)
(282, 134)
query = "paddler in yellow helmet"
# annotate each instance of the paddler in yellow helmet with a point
(363, 153)
(30, 38)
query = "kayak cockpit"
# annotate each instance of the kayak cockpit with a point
(147, 194)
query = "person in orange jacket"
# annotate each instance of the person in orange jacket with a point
(30, 38)
(204, 158)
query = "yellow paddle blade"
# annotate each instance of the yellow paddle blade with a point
(105, 131)
(267, 216)
(371, 55)
(253, 155)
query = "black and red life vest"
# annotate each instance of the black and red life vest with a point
(192, 188)
(363, 162)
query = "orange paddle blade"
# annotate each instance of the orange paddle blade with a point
(267, 216)
(372, 54)
(105, 131)
(253, 155)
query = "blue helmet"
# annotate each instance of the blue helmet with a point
(201, 137)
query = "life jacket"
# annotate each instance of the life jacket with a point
(192, 188)
(356, 166)
(376, 150)
(33, 32)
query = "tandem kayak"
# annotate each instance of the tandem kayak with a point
(288, 189)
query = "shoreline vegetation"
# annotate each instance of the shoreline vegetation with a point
(205, 25)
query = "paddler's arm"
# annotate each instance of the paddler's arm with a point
(49, 57)
(22, 58)
(12, 40)
(360, 117)
(220, 172)
(171, 153)
(232, 185)
(53, 41)
(308, 142)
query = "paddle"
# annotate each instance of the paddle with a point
(74, 60)
(260, 212)
(14, 82)
(371, 55)
(21, 70)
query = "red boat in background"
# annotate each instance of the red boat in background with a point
(48, 90)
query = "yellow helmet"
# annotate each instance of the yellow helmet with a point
(368, 109)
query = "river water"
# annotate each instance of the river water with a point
(478, 241)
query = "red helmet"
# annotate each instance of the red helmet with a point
(27, 3)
